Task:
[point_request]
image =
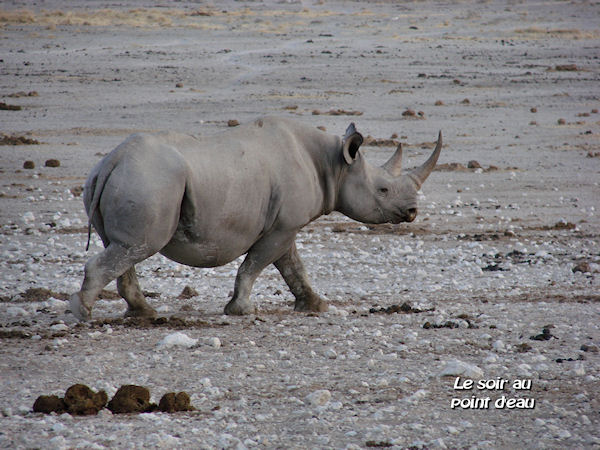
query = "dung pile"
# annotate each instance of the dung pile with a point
(80, 400)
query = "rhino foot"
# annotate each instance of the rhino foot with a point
(315, 304)
(236, 308)
(147, 311)
(79, 309)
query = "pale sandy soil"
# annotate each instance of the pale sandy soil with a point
(492, 252)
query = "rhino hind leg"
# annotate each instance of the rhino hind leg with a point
(292, 270)
(100, 270)
(129, 289)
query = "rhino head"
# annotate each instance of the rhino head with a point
(383, 194)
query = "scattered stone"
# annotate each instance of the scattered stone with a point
(232, 123)
(28, 164)
(23, 94)
(466, 101)
(583, 267)
(178, 85)
(52, 163)
(49, 404)
(172, 402)
(7, 107)
(131, 399)
(322, 128)
(566, 68)
(16, 140)
(523, 347)
(545, 334)
(533, 110)
(82, 401)
(594, 111)
(380, 142)
(378, 444)
(404, 308)
(290, 107)
(439, 103)
(177, 339)
(474, 165)
(337, 112)
(589, 348)
(561, 121)
(447, 324)
(456, 368)
(409, 113)
(76, 191)
(188, 292)
(318, 398)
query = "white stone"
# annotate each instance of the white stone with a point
(214, 342)
(456, 367)
(318, 398)
(177, 339)
(331, 353)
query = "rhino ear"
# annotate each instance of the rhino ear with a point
(351, 143)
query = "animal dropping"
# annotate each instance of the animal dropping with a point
(204, 201)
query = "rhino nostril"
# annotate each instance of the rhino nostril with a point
(411, 213)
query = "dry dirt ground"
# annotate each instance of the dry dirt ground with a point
(500, 269)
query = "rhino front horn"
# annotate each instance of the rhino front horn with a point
(421, 173)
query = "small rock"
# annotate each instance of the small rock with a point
(318, 398)
(474, 165)
(178, 85)
(331, 353)
(130, 398)
(214, 342)
(232, 123)
(589, 348)
(439, 103)
(188, 292)
(28, 164)
(52, 163)
(533, 110)
(561, 121)
(466, 101)
(409, 113)
(177, 339)
(583, 267)
(455, 368)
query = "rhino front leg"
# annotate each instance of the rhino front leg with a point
(292, 270)
(265, 251)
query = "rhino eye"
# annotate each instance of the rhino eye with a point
(383, 190)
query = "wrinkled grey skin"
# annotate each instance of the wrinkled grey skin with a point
(205, 201)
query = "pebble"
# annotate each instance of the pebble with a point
(456, 367)
(318, 398)
(177, 339)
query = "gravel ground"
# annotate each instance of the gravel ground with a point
(497, 279)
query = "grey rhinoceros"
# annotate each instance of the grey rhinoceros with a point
(204, 201)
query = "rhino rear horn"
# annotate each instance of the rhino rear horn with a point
(421, 173)
(351, 143)
(394, 165)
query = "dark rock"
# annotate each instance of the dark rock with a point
(188, 292)
(474, 165)
(589, 348)
(233, 123)
(52, 163)
(28, 165)
(583, 267)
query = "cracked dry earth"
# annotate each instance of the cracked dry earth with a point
(497, 279)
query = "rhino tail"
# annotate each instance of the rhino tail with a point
(97, 186)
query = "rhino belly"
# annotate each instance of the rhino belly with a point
(206, 252)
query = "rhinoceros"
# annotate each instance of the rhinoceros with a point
(204, 201)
